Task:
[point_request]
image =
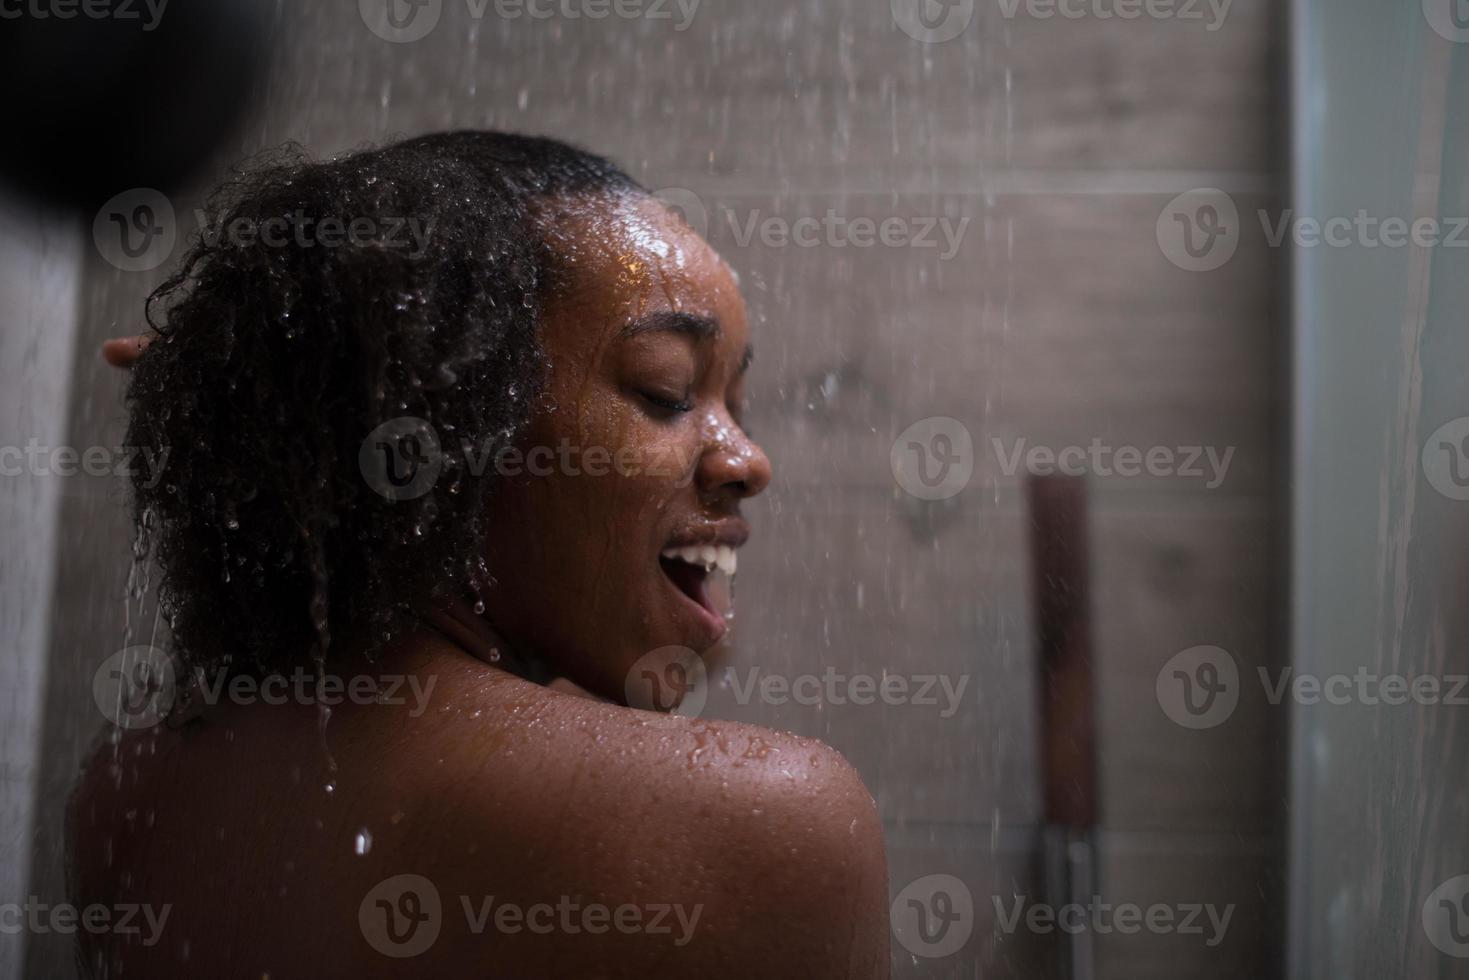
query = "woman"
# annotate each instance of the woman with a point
(349, 492)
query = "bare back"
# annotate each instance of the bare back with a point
(476, 822)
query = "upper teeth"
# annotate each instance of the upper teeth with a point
(711, 556)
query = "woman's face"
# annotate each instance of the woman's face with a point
(635, 460)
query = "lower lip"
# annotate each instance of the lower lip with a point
(711, 625)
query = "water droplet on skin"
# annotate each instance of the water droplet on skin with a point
(363, 842)
(331, 786)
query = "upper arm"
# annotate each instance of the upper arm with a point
(804, 876)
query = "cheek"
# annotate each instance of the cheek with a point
(628, 452)
(657, 458)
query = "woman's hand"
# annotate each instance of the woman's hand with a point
(121, 352)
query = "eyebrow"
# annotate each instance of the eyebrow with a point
(690, 324)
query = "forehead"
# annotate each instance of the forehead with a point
(628, 255)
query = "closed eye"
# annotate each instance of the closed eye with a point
(678, 406)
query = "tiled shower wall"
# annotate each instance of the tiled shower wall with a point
(1055, 144)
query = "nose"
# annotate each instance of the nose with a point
(732, 462)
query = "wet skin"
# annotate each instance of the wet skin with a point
(648, 350)
(498, 787)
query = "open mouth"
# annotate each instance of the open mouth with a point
(703, 573)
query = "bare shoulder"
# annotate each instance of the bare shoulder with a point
(489, 822)
(769, 843)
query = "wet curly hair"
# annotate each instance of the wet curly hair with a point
(278, 354)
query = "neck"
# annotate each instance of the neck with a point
(468, 630)
(457, 621)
